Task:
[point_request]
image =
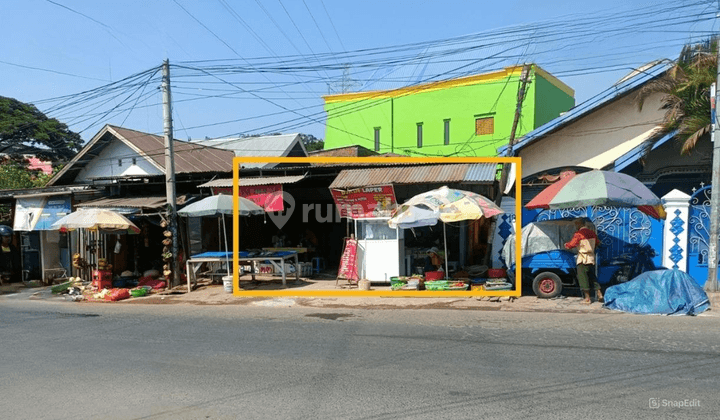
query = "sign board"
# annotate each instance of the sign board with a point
(365, 202)
(39, 213)
(269, 197)
(348, 261)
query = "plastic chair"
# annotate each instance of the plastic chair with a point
(318, 264)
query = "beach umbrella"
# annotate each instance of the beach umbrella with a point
(598, 188)
(105, 221)
(220, 205)
(443, 204)
(94, 219)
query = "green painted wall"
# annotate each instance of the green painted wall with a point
(353, 122)
(550, 101)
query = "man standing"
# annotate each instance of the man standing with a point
(585, 240)
(9, 257)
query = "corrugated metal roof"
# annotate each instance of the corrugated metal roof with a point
(271, 146)
(620, 89)
(428, 174)
(246, 182)
(135, 202)
(189, 157)
(481, 172)
(132, 202)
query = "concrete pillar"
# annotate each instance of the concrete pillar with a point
(675, 232)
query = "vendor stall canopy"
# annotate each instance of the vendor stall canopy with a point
(476, 173)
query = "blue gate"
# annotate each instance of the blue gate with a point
(699, 234)
(616, 228)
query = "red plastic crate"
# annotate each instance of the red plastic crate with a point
(102, 279)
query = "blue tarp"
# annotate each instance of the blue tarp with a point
(659, 292)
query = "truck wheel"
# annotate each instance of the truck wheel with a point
(547, 285)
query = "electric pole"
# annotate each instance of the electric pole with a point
(170, 170)
(524, 76)
(711, 284)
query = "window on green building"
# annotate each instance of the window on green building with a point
(447, 131)
(484, 125)
(377, 139)
(419, 135)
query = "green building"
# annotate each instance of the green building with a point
(468, 116)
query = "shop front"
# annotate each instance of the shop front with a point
(45, 253)
(433, 248)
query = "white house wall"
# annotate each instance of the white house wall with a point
(106, 163)
(581, 142)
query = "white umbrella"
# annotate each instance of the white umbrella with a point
(221, 205)
(100, 220)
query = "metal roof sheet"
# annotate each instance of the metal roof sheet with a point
(246, 182)
(155, 202)
(481, 172)
(271, 146)
(427, 174)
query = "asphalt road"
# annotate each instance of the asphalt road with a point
(102, 361)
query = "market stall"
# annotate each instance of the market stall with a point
(380, 248)
(446, 205)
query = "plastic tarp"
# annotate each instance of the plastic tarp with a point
(537, 237)
(659, 292)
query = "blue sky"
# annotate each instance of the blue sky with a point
(279, 57)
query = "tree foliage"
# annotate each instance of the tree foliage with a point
(23, 129)
(685, 90)
(15, 175)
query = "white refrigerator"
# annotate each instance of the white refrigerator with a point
(381, 250)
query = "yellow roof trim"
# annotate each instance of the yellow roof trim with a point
(445, 84)
(554, 81)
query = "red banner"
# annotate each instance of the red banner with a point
(348, 261)
(269, 197)
(365, 202)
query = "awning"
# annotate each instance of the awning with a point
(248, 182)
(478, 173)
(40, 212)
(131, 205)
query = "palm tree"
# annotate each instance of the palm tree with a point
(685, 90)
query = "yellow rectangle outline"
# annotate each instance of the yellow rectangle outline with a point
(375, 293)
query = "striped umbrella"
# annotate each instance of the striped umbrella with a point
(598, 188)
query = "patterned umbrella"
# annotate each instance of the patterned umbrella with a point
(445, 204)
(598, 188)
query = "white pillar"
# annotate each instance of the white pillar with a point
(675, 232)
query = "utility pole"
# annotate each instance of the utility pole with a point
(170, 170)
(524, 79)
(711, 284)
